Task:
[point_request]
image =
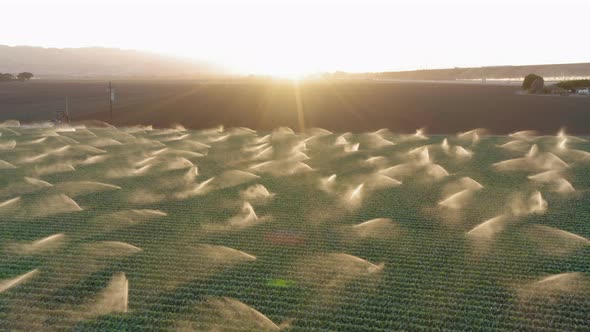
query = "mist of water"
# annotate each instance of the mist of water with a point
(223, 313)
(114, 298)
(488, 229)
(550, 289)
(110, 249)
(556, 242)
(523, 205)
(457, 200)
(256, 194)
(45, 244)
(375, 228)
(6, 284)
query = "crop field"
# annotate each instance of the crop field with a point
(339, 106)
(134, 228)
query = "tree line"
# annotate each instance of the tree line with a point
(4, 77)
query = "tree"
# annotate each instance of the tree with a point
(24, 76)
(6, 77)
(529, 79)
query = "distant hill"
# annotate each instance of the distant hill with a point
(552, 71)
(97, 62)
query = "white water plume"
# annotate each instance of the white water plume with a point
(445, 145)
(578, 154)
(554, 179)
(145, 161)
(10, 124)
(8, 145)
(176, 138)
(472, 135)
(378, 161)
(545, 177)
(175, 163)
(48, 243)
(223, 313)
(327, 183)
(351, 147)
(562, 134)
(222, 254)
(457, 200)
(420, 134)
(63, 151)
(341, 140)
(258, 149)
(462, 153)
(375, 228)
(379, 181)
(114, 298)
(34, 142)
(8, 132)
(77, 188)
(53, 168)
(54, 204)
(245, 218)
(356, 193)
(256, 194)
(533, 151)
(533, 160)
(517, 145)
(6, 284)
(124, 218)
(436, 171)
(280, 168)
(318, 132)
(562, 143)
(87, 149)
(101, 142)
(330, 272)
(375, 141)
(524, 134)
(110, 249)
(43, 206)
(469, 183)
(551, 288)
(422, 155)
(488, 229)
(563, 186)
(556, 242)
(29, 185)
(190, 145)
(116, 173)
(400, 170)
(266, 152)
(521, 205)
(6, 165)
(232, 178)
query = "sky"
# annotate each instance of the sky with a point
(296, 37)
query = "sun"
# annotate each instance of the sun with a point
(291, 73)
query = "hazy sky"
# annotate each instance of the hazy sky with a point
(289, 37)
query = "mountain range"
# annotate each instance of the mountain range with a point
(93, 62)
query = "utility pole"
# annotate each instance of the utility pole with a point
(111, 97)
(68, 109)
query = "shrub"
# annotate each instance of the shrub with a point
(528, 81)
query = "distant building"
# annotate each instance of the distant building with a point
(583, 91)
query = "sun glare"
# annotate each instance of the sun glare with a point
(287, 72)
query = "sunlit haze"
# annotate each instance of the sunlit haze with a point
(298, 37)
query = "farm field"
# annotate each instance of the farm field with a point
(134, 228)
(339, 106)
